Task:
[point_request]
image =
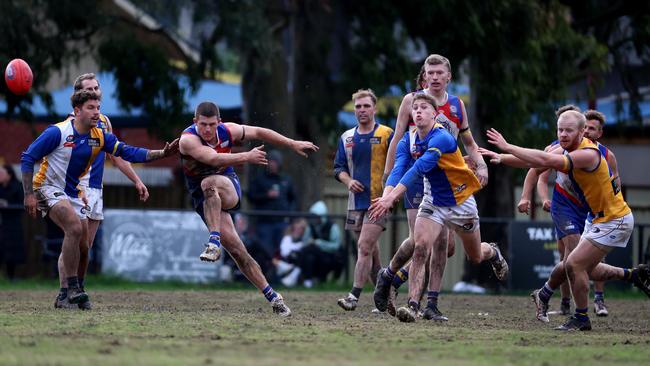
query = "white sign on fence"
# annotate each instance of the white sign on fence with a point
(153, 245)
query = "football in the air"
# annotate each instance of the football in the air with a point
(18, 76)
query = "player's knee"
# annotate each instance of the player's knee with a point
(420, 252)
(209, 188)
(73, 229)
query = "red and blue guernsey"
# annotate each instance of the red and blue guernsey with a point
(68, 155)
(195, 171)
(448, 181)
(363, 157)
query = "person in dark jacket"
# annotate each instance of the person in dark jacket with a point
(272, 191)
(12, 245)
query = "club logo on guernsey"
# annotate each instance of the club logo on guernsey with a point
(375, 140)
(461, 188)
(453, 110)
(70, 138)
(93, 142)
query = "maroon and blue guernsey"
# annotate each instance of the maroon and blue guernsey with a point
(195, 171)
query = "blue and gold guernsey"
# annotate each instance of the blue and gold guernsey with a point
(68, 155)
(363, 157)
(450, 116)
(597, 189)
(448, 181)
(195, 171)
(96, 176)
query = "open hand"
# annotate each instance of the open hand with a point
(355, 186)
(380, 207)
(171, 148)
(303, 147)
(494, 158)
(496, 139)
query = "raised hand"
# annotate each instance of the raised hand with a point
(258, 156)
(496, 139)
(303, 147)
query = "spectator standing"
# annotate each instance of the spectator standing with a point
(12, 245)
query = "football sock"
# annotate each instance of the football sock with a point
(356, 292)
(566, 301)
(388, 274)
(73, 282)
(629, 275)
(581, 314)
(81, 282)
(599, 296)
(545, 293)
(269, 293)
(400, 277)
(432, 298)
(215, 238)
(414, 305)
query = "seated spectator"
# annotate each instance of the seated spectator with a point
(323, 253)
(287, 264)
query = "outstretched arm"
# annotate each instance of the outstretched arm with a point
(246, 133)
(401, 125)
(472, 149)
(191, 145)
(126, 169)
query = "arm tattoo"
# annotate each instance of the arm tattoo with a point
(27, 182)
(155, 155)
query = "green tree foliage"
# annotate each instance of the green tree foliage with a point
(146, 80)
(41, 32)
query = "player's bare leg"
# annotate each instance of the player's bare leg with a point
(478, 252)
(391, 278)
(437, 264)
(542, 296)
(565, 291)
(65, 217)
(218, 192)
(248, 266)
(366, 248)
(426, 233)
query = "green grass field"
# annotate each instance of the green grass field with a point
(236, 327)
